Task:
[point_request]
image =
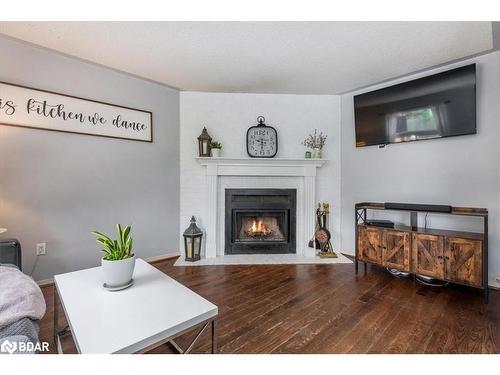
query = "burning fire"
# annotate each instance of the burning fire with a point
(258, 228)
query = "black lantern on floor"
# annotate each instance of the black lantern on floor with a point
(192, 241)
(204, 141)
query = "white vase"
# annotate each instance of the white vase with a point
(117, 272)
(216, 152)
(316, 153)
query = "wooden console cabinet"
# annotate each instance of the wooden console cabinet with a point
(457, 257)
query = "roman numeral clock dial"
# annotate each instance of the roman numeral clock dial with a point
(262, 140)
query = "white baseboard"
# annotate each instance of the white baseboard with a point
(156, 258)
(494, 284)
(45, 282)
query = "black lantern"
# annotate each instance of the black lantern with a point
(204, 141)
(192, 241)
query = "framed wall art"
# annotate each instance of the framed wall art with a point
(40, 109)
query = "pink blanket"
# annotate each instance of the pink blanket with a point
(20, 297)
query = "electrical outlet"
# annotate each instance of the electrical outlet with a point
(497, 279)
(41, 248)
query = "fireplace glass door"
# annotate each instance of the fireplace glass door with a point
(260, 221)
(261, 226)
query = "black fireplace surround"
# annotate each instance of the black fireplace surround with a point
(260, 221)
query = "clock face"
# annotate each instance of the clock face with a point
(262, 141)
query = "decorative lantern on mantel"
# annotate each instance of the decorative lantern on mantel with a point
(192, 241)
(204, 141)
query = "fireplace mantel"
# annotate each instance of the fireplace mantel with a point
(263, 161)
(304, 169)
(261, 166)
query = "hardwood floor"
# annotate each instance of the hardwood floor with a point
(329, 309)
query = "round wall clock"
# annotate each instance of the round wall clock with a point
(262, 140)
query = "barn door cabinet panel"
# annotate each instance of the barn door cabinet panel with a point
(464, 261)
(396, 249)
(370, 244)
(428, 255)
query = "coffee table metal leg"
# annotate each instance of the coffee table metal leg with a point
(55, 319)
(214, 337)
(58, 332)
(195, 340)
(176, 347)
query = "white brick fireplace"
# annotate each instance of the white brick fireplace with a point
(227, 118)
(244, 173)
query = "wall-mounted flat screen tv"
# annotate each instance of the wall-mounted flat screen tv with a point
(435, 106)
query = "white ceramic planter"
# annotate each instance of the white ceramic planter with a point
(216, 152)
(117, 272)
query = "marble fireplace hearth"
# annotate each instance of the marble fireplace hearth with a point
(262, 259)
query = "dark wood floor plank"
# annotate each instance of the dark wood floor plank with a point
(344, 298)
(328, 309)
(289, 306)
(424, 322)
(295, 314)
(382, 303)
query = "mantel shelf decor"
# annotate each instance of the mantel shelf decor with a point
(204, 143)
(40, 109)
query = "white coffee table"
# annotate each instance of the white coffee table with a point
(152, 312)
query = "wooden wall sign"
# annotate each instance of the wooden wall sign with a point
(32, 108)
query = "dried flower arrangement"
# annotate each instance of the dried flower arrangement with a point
(315, 140)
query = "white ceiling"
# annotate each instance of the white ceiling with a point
(261, 57)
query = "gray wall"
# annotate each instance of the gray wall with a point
(57, 187)
(495, 28)
(460, 171)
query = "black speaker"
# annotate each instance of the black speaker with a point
(380, 223)
(10, 252)
(417, 207)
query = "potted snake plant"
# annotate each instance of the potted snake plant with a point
(216, 148)
(118, 260)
